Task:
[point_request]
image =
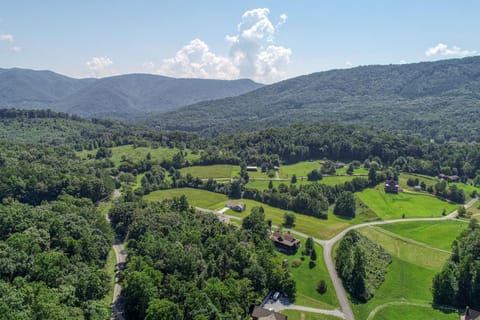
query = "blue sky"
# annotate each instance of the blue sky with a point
(263, 40)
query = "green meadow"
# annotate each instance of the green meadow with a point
(393, 206)
(301, 315)
(213, 171)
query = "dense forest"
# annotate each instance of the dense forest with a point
(188, 265)
(458, 284)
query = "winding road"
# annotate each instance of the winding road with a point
(346, 310)
(121, 258)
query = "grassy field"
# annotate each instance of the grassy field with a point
(139, 153)
(393, 206)
(406, 249)
(213, 171)
(401, 312)
(301, 169)
(409, 277)
(438, 234)
(307, 279)
(262, 185)
(301, 315)
(317, 228)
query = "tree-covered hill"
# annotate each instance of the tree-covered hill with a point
(118, 97)
(437, 99)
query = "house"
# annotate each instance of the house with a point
(391, 186)
(236, 206)
(470, 314)
(339, 165)
(259, 313)
(417, 188)
(252, 168)
(285, 242)
(454, 178)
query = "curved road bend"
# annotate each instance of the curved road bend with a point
(121, 258)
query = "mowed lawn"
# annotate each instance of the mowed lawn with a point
(300, 169)
(301, 315)
(136, 154)
(307, 279)
(438, 234)
(401, 312)
(213, 171)
(314, 227)
(393, 206)
(409, 278)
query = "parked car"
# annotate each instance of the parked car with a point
(275, 296)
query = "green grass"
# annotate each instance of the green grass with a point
(301, 169)
(307, 279)
(136, 154)
(406, 249)
(213, 171)
(196, 197)
(301, 315)
(402, 312)
(109, 268)
(393, 206)
(262, 185)
(314, 227)
(409, 277)
(334, 180)
(438, 234)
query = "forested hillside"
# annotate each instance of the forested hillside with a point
(439, 100)
(118, 97)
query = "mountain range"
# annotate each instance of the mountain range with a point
(119, 97)
(438, 99)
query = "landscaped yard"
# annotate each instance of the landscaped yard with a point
(393, 206)
(307, 279)
(438, 234)
(414, 312)
(139, 153)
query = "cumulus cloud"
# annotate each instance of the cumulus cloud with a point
(253, 53)
(99, 66)
(444, 50)
(6, 37)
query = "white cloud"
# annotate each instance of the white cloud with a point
(15, 49)
(348, 64)
(6, 37)
(99, 66)
(443, 50)
(253, 53)
(402, 61)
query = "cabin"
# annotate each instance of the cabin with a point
(339, 165)
(259, 313)
(391, 186)
(470, 314)
(252, 168)
(236, 206)
(447, 178)
(417, 188)
(285, 242)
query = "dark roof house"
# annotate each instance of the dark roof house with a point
(391, 186)
(285, 242)
(470, 314)
(260, 313)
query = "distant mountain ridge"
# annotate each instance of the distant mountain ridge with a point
(118, 97)
(439, 99)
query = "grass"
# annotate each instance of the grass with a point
(438, 234)
(393, 206)
(314, 227)
(401, 312)
(262, 185)
(213, 171)
(408, 279)
(301, 315)
(301, 169)
(109, 268)
(406, 249)
(136, 154)
(307, 279)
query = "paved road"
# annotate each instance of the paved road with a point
(121, 257)
(327, 255)
(347, 311)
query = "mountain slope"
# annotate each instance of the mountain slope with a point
(119, 97)
(438, 99)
